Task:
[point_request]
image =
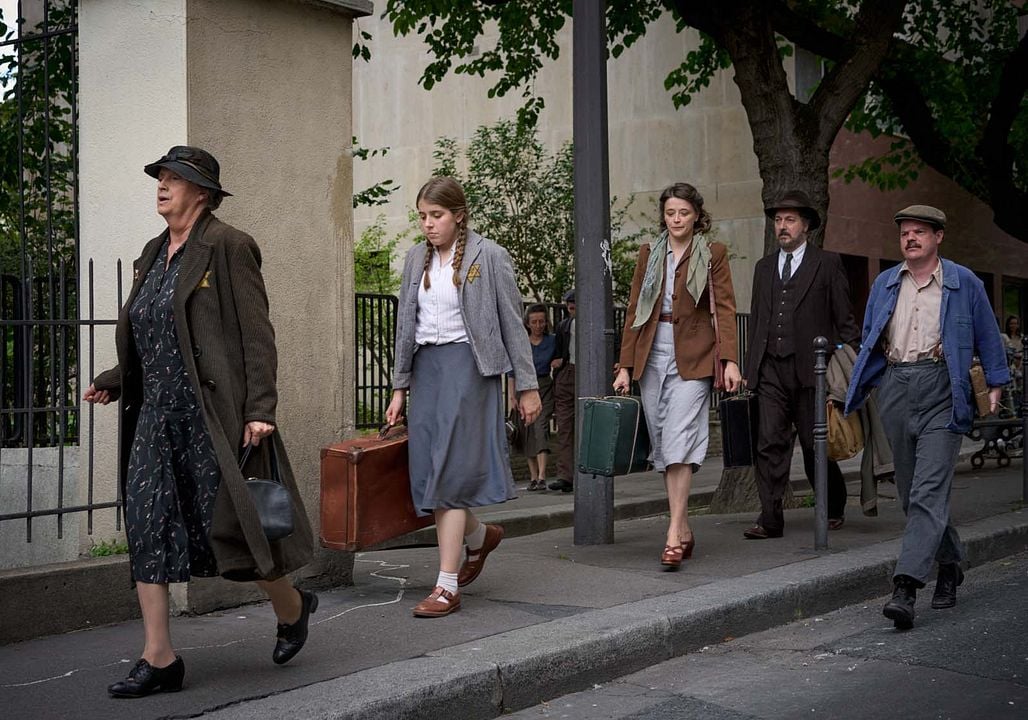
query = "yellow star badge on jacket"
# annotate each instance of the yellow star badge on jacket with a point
(474, 272)
(205, 282)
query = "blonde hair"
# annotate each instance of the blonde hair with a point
(446, 192)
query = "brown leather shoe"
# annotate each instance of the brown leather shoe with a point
(475, 561)
(440, 603)
(759, 532)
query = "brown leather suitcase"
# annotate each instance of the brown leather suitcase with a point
(365, 492)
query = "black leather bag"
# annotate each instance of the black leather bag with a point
(271, 497)
(738, 415)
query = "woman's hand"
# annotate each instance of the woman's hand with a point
(733, 377)
(255, 430)
(622, 381)
(529, 406)
(394, 413)
(101, 397)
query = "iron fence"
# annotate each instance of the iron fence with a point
(375, 325)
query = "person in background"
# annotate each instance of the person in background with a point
(459, 329)
(925, 319)
(1011, 336)
(537, 435)
(668, 346)
(196, 380)
(564, 397)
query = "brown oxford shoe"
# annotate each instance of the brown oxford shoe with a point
(759, 532)
(440, 603)
(474, 561)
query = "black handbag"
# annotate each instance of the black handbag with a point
(270, 497)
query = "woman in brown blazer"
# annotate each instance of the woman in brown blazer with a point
(196, 379)
(668, 346)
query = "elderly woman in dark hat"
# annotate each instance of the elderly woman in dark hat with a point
(196, 380)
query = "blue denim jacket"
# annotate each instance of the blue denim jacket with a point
(968, 328)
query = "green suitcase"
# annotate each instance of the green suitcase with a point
(614, 440)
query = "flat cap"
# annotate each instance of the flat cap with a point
(922, 213)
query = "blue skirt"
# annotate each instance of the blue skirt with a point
(459, 456)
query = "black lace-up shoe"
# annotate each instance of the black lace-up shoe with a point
(950, 577)
(292, 637)
(901, 608)
(144, 679)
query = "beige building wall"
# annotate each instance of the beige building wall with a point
(652, 145)
(266, 86)
(132, 107)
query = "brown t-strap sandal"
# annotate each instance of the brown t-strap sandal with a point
(672, 556)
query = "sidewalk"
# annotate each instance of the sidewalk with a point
(545, 618)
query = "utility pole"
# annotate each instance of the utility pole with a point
(594, 324)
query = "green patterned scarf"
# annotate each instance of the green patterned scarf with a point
(695, 279)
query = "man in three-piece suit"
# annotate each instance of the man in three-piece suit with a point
(799, 292)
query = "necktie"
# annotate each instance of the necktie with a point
(787, 268)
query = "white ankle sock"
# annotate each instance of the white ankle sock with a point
(447, 581)
(476, 539)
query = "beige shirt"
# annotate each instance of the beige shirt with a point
(915, 330)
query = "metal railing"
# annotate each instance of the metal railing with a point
(375, 331)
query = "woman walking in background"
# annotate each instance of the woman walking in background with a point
(459, 329)
(668, 346)
(537, 435)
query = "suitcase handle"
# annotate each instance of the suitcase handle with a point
(383, 432)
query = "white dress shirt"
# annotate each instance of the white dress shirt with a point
(797, 258)
(439, 320)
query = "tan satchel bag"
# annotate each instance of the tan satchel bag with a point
(980, 389)
(845, 433)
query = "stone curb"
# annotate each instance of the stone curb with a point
(521, 668)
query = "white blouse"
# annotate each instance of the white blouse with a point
(439, 320)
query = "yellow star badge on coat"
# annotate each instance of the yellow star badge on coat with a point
(474, 272)
(206, 281)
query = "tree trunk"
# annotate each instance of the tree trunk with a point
(737, 493)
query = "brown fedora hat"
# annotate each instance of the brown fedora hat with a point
(796, 200)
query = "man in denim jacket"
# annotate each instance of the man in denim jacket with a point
(924, 321)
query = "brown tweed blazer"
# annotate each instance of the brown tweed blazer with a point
(228, 346)
(693, 331)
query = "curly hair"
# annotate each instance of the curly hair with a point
(685, 191)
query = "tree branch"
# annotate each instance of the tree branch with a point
(874, 28)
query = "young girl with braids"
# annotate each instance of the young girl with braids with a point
(458, 331)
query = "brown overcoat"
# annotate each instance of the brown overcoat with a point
(693, 331)
(228, 347)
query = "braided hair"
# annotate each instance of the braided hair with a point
(447, 192)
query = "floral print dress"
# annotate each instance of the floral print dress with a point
(173, 473)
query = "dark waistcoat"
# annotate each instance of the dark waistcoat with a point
(781, 341)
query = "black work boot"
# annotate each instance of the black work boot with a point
(901, 608)
(950, 577)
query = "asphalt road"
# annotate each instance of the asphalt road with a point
(970, 662)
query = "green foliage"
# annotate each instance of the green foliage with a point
(38, 223)
(377, 194)
(106, 548)
(696, 72)
(522, 197)
(360, 50)
(41, 197)
(373, 259)
(956, 52)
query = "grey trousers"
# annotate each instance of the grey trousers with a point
(915, 405)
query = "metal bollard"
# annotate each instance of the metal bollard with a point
(820, 443)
